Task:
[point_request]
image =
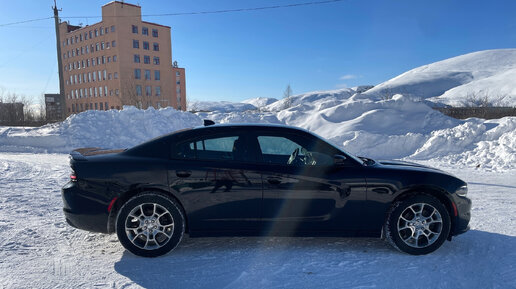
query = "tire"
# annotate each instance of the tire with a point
(417, 225)
(150, 224)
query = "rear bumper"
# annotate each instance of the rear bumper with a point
(83, 211)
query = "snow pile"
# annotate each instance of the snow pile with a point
(222, 106)
(260, 101)
(106, 129)
(459, 81)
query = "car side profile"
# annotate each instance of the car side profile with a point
(258, 180)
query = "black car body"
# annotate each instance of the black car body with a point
(230, 180)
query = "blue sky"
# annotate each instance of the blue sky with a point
(235, 56)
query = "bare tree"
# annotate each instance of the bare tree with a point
(484, 98)
(287, 95)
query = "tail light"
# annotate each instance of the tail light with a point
(73, 177)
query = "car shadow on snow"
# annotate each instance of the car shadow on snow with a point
(477, 258)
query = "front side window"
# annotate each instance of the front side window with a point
(294, 151)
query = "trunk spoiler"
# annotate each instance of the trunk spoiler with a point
(82, 153)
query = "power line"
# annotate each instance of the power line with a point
(190, 13)
(25, 21)
(221, 11)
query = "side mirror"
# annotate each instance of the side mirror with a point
(339, 160)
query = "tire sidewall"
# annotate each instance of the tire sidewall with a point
(393, 224)
(151, 197)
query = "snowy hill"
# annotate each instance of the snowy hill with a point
(260, 101)
(489, 74)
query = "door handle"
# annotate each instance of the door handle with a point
(183, 174)
(274, 181)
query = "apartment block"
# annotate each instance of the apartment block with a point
(121, 60)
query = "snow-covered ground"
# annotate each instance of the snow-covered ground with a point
(39, 250)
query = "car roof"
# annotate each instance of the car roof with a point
(253, 125)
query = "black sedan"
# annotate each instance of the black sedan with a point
(234, 180)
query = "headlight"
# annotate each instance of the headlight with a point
(462, 191)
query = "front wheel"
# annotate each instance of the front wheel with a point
(418, 225)
(150, 224)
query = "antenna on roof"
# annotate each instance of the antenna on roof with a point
(208, 122)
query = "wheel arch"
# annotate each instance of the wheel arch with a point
(124, 197)
(438, 193)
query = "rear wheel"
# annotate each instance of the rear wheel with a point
(418, 225)
(150, 224)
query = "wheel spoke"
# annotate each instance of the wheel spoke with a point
(145, 230)
(425, 230)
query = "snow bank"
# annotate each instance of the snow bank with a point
(106, 129)
(222, 106)
(489, 73)
(260, 101)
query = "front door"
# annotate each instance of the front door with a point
(304, 192)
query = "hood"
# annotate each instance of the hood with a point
(406, 164)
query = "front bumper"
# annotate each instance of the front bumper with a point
(84, 211)
(463, 205)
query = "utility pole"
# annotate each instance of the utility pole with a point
(59, 61)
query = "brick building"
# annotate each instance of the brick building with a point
(121, 60)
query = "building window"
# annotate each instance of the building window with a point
(100, 91)
(101, 104)
(101, 31)
(102, 45)
(137, 58)
(109, 76)
(109, 59)
(87, 49)
(156, 60)
(85, 35)
(97, 46)
(94, 76)
(178, 73)
(106, 30)
(113, 43)
(105, 90)
(80, 37)
(115, 76)
(148, 91)
(81, 107)
(91, 91)
(145, 30)
(107, 45)
(89, 76)
(137, 74)
(113, 28)
(86, 92)
(114, 58)
(100, 75)
(103, 59)
(138, 90)
(93, 62)
(146, 59)
(116, 92)
(145, 45)
(154, 32)
(73, 107)
(157, 90)
(96, 92)
(147, 74)
(136, 44)
(82, 50)
(155, 46)
(96, 105)
(96, 33)
(135, 29)
(157, 75)
(105, 75)
(91, 34)
(72, 94)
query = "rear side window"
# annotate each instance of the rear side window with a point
(215, 148)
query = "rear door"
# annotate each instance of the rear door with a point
(220, 191)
